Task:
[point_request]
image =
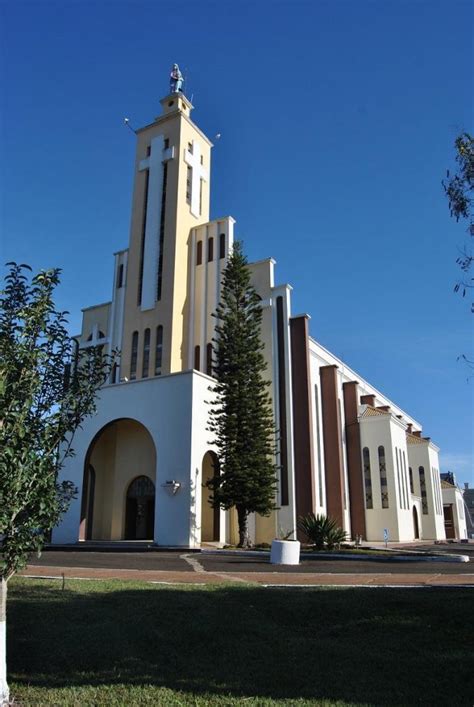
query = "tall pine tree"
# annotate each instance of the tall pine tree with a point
(241, 416)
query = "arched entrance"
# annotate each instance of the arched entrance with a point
(140, 509)
(416, 530)
(120, 453)
(210, 517)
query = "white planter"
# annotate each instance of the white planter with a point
(285, 552)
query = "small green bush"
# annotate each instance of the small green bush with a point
(321, 531)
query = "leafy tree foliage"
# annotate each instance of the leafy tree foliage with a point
(241, 417)
(459, 190)
(43, 400)
(42, 403)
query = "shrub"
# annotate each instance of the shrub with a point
(321, 531)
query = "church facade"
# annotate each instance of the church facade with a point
(142, 461)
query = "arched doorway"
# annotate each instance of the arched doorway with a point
(121, 452)
(140, 509)
(210, 517)
(416, 530)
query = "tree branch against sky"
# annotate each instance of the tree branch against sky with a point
(459, 189)
(43, 400)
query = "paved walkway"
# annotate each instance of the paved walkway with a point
(198, 575)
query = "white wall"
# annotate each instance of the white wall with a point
(173, 410)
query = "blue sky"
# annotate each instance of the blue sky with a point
(337, 124)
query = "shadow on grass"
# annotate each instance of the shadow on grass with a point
(387, 647)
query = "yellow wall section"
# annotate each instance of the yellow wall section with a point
(124, 451)
(171, 311)
(95, 315)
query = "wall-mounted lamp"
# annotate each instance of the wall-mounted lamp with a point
(172, 486)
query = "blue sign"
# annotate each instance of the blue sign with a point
(385, 534)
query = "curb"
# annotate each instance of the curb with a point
(339, 556)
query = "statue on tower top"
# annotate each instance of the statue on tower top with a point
(176, 80)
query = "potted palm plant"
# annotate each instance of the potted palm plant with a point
(322, 532)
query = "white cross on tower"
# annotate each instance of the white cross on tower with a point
(154, 163)
(193, 160)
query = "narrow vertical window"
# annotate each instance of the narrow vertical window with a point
(158, 350)
(167, 143)
(399, 481)
(412, 486)
(189, 183)
(405, 478)
(383, 477)
(120, 276)
(146, 354)
(424, 498)
(209, 359)
(134, 356)
(142, 242)
(367, 478)
(199, 253)
(210, 249)
(197, 358)
(318, 438)
(435, 489)
(162, 232)
(200, 197)
(222, 246)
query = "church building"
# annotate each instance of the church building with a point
(142, 461)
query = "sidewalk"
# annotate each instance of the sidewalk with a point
(379, 579)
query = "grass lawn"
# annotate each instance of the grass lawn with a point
(125, 643)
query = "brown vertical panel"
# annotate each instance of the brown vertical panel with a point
(354, 463)
(332, 443)
(282, 422)
(302, 415)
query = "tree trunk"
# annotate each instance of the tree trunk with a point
(4, 691)
(242, 515)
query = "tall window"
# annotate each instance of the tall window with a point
(162, 232)
(367, 478)
(434, 478)
(405, 479)
(142, 242)
(318, 437)
(199, 253)
(424, 498)
(210, 249)
(158, 350)
(399, 480)
(146, 354)
(120, 276)
(197, 358)
(189, 181)
(222, 246)
(134, 356)
(383, 477)
(209, 359)
(412, 485)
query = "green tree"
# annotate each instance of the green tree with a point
(459, 189)
(241, 416)
(43, 400)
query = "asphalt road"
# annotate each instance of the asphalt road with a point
(174, 562)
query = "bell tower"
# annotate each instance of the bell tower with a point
(170, 197)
